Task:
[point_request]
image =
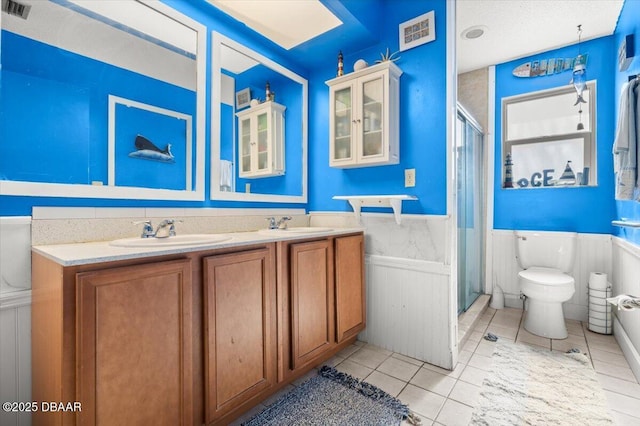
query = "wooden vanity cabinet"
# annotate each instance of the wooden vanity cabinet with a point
(350, 286)
(320, 300)
(134, 348)
(240, 330)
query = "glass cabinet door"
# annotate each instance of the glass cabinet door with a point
(343, 125)
(263, 141)
(245, 145)
(372, 119)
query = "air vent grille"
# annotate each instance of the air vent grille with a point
(14, 8)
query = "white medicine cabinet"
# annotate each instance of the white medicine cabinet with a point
(364, 117)
(261, 140)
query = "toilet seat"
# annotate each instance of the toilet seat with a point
(546, 276)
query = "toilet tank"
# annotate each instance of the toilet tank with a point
(546, 249)
(15, 254)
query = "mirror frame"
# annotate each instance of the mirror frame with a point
(216, 194)
(44, 189)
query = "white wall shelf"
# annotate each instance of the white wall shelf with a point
(625, 223)
(393, 201)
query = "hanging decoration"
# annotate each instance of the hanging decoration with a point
(580, 71)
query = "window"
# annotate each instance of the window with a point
(545, 135)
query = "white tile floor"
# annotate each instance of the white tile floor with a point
(443, 397)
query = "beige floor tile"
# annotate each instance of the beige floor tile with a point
(473, 375)
(470, 346)
(481, 361)
(504, 332)
(623, 373)
(423, 421)
(389, 384)
(454, 413)
(359, 343)
(485, 348)
(620, 386)
(335, 360)
(574, 327)
(348, 351)
(465, 393)
(623, 404)
(455, 373)
(464, 356)
(423, 402)
(369, 358)
(622, 419)
(356, 370)
(612, 347)
(504, 321)
(481, 327)
(434, 382)
(378, 349)
(475, 336)
(526, 337)
(398, 368)
(408, 359)
(565, 345)
(609, 357)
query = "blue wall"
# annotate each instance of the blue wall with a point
(628, 23)
(581, 209)
(423, 121)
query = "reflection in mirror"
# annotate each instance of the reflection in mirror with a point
(245, 153)
(102, 99)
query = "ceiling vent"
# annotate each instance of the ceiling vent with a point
(16, 9)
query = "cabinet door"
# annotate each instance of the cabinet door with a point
(134, 345)
(350, 287)
(240, 337)
(372, 131)
(344, 125)
(312, 306)
(245, 146)
(263, 148)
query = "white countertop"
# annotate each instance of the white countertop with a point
(97, 252)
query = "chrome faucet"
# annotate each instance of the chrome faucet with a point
(147, 229)
(278, 224)
(166, 228)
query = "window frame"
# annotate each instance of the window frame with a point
(588, 137)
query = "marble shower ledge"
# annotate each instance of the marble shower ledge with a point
(393, 201)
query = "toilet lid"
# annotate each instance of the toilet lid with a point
(546, 276)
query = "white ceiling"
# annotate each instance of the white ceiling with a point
(517, 28)
(285, 22)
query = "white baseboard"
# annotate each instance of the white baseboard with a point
(630, 352)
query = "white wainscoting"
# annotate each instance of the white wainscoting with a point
(15, 354)
(593, 255)
(626, 280)
(408, 308)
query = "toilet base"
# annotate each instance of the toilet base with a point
(545, 319)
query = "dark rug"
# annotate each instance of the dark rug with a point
(334, 398)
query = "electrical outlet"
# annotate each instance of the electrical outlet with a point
(409, 178)
(247, 188)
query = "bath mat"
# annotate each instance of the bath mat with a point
(333, 398)
(529, 386)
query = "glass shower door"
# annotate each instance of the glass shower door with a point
(470, 198)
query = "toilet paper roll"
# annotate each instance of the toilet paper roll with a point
(598, 281)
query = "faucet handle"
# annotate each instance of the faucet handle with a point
(282, 223)
(147, 229)
(272, 222)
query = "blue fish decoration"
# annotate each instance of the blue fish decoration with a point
(147, 150)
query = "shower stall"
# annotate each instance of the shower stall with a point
(470, 208)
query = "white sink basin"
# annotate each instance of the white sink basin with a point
(295, 230)
(176, 241)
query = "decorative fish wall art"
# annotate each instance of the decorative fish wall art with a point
(546, 67)
(147, 150)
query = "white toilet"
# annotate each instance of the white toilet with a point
(547, 258)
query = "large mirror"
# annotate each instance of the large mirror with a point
(101, 100)
(239, 87)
